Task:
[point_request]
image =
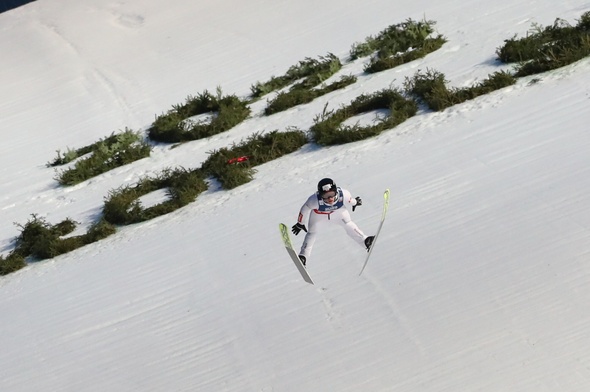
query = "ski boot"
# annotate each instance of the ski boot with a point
(369, 242)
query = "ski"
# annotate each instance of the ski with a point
(289, 246)
(385, 207)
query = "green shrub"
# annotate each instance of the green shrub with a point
(42, 240)
(584, 22)
(545, 49)
(328, 128)
(398, 44)
(11, 263)
(70, 155)
(401, 37)
(378, 64)
(106, 154)
(256, 150)
(314, 71)
(122, 206)
(228, 111)
(431, 88)
(100, 230)
(300, 95)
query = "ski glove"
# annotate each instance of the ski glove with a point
(297, 227)
(359, 202)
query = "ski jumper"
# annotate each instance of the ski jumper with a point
(322, 213)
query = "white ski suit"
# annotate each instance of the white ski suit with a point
(321, 213)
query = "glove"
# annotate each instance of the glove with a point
(297, 227)
(359, 202)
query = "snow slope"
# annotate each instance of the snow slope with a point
(479, 281)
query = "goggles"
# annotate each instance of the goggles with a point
(328, 195)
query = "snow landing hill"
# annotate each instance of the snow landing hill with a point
(479, 281)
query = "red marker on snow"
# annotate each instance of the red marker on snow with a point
(237, 160)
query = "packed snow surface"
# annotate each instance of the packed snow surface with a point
(479, 280)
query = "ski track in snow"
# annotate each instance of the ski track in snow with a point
(93, 73)
(396, 312)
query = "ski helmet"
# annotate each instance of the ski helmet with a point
(326, 185)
